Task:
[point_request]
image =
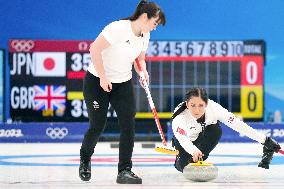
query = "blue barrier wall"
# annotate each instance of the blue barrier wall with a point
(74, 132)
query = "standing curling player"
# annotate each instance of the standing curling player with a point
(196, 127)
(109, 80)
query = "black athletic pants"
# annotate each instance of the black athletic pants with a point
(97, 100)
(206, 142)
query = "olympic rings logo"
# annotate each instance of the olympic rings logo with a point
(22, 45)
(83, 46)
(56, 133)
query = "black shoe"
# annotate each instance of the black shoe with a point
(126, 176)
(266, 158)
(85, 170)
(270, 146)
(178, 164)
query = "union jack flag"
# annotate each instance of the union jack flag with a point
(49, 97)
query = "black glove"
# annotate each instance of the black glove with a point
(270, 146)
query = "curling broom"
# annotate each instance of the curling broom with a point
(281, 151)
(165, 148)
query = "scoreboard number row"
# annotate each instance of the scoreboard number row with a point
(195, 48)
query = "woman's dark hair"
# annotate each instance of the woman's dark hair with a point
(197, 92)
(151, 9)
(193, 92)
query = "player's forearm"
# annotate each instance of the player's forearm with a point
(142, 64)
(246, 130)
(187, 145)
(229, 119)
(136, 67)
(182, 135)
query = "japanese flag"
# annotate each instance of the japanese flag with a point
(49, 64)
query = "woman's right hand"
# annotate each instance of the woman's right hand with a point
(105, 84)
(196, 155)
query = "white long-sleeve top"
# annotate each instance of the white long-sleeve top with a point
(186, 129)
(124, 47)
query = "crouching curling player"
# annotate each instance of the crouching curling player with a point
(196, 127)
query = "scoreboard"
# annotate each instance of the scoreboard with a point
(230, 71)
(46, 77)
(46, 80)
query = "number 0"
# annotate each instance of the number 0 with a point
(252, 101)
(251, 72)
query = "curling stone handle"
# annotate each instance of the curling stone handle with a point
(200, 161)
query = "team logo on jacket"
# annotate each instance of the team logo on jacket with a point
(181, 131)
(96, 105)
(231, 119)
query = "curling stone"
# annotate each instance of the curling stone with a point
(200, 171)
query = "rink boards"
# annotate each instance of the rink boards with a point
(74, 132)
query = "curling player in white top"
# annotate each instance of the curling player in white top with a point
(109, 81)
(197, 130)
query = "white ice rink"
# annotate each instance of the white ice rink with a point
(56, 166)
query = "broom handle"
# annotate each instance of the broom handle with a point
(150, 100)
(281, 151)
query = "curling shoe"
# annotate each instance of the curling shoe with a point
(178, 165)
(126, 176)
(85, 170)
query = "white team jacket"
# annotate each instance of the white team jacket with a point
(186, 129)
